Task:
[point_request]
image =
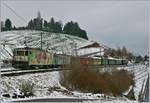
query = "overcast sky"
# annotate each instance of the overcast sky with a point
(112, 23)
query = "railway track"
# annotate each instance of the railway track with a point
(22, 72)
(16, 72)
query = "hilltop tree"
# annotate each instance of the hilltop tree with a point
(119, 52)
(2, 26)
(45, 24)
(146, 58)
(36, 23)
(139, 59)
(73, 28)
(30, 25)
(39, 22)
(8, 24)
(124, 51)
(52, 25)
(58, 27)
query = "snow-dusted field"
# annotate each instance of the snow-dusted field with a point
(43, 81)
(141, 74)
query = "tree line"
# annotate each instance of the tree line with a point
(38, 23)
(119, 53)
(123, 53)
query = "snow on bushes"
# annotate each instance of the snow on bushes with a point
(89, 80)
(27, 88)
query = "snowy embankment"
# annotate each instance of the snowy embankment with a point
(140, 72)
(44, 81)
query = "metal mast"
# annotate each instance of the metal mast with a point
(41, 40)
(0, 55)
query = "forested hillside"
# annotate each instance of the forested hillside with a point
(39, 23)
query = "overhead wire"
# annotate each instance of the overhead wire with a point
(15, 12)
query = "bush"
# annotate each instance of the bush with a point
(27, 88)
(88, 80)
(120, 81)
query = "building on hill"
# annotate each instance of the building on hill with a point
(92, 49)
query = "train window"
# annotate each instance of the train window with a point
(26, 53)
(30, 52)
(20, 53)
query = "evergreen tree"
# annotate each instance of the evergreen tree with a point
(52, 25)
(2, 26)
(124, 51)
(8, 24)
(14, 28)
(146, 58)
(58, 27)
(45, 24)
(39, 22)
(139, 59)
(73, 28)
(30, 25)
(36, 23)
(119, 53)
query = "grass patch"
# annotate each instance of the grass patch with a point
(27, 88)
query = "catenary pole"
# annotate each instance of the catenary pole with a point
(41, 41)
(0, 56)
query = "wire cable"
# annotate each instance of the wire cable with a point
(15, 13)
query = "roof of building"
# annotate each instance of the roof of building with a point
(94, 44)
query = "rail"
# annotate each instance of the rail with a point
(22, 72)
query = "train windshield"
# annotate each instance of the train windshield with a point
(26, 53)
(19, 53)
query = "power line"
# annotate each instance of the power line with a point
(15, 13)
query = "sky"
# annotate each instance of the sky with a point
(113, 23)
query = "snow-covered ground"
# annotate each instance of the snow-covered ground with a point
(112, 101)
(43, 81)
(140, 72)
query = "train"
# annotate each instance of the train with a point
(37, 58)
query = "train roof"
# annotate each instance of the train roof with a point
(26, 48)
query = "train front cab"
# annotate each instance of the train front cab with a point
(20, 58)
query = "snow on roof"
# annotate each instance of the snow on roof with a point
(90, 51)
(92, 45)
